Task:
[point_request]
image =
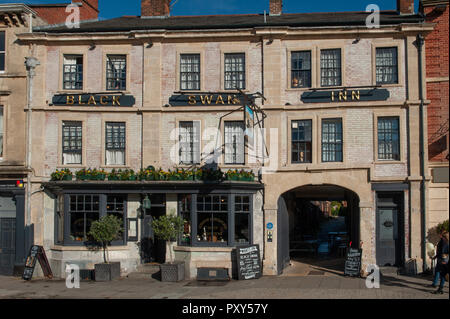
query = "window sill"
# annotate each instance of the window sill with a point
(84, 248)
(229, 166)
(300, 89)
(389, 162)
(71, 91)
(393, 85)
(115, 166)
(203, 249)
(77, 166)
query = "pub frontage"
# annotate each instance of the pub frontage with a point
(256, 129)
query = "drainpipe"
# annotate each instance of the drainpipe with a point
(30, 63)
(419, 44)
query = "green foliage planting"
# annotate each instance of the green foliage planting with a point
(105, 230)
(168, 228)
(442, 227)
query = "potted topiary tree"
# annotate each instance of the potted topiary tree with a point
(104, 231)
(169, 228)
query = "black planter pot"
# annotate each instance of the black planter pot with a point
(107, 272)
(172, 272)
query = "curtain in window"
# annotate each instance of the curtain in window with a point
(115, 157)
(71, 158)
(234, 143)
(189, 142)
(115, 143)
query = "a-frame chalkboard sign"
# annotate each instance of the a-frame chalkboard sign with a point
(248, 262)
(37, 253)
(353, 262)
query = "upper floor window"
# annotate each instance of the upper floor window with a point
(234, 142)
(116, 72)
(330, 67)
(190, 72)
(189, 151)
(115, 143)
(73, 72)
(301, 69)
(332, 140)
(72, 142)
(2, 50)
(302, 141)
(234, 71)
(388, 138)
(386, 65)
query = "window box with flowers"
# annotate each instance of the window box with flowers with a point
(235, 175)
(62, 175)
(91, 174)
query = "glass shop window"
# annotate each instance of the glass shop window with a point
(212, 217)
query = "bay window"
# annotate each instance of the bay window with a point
(216, 219)
(77, 212)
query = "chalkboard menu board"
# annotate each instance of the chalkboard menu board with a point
(353, 262)
(248, 262)
(36, 253)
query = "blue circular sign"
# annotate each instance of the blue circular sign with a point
(269, 226)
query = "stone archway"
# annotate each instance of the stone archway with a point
(316, 224)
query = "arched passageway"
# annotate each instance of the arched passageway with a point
(317, 224)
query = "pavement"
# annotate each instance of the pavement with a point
(319, 284)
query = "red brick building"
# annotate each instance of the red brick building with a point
(437, 79)
(436, 48)
(56, 13)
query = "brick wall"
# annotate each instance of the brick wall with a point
(155, 8)
(437, 50)
(57, 14)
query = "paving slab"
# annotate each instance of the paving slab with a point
(268, 287)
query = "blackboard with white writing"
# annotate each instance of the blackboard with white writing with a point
(353, 262)
(248, 262)
(36, 253)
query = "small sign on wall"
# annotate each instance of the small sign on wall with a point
(132, 229)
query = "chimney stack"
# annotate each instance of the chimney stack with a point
(405, 6)
(155, 8)
(276, 7)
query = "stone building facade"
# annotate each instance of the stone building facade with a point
(14, 169)
(341, 121)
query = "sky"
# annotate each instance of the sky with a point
(116, 8)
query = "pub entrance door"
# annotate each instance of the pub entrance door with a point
(389, 228)
(152, 248)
